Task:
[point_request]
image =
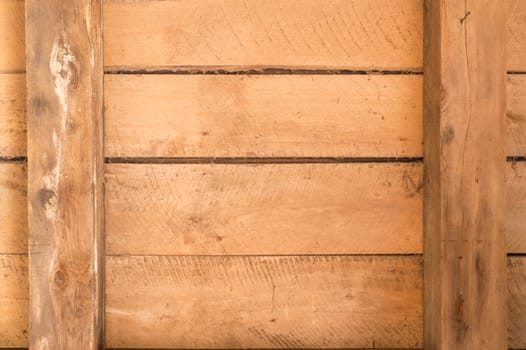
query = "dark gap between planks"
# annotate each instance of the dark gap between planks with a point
(259, 160)
(13, 159)
(365, 255)
(253, 71)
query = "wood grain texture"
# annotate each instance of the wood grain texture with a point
(264, 302)
(12, 115)
(465, 194)
(516, 115)
(263, 209)
(14, 301)
(517, 302)
(263, 116)
(516, 36)
(13, 208)
(356, 34)
(65, 162)
(12, 36)
(516, 192)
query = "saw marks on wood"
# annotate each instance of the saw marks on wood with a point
(516, 115)
(263, 209)
(264, 302)
(516, 197)
(12, 115)
(14, 301)
(356, 34)
(517, 302)
(516, 35)
(13, 208)
(263, 116)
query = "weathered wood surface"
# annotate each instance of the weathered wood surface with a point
(465, 194)
(12, 36)
(65, 173)
(263, 115)
(14, 301)
(517, 302)
(516, 115)
(277, 115)
(516, 191)
(13, 208)
(357, 34)
(263, 209)
(12, 115)
(516, 36)
(264, 302)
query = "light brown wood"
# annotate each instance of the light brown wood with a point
(263, 115)
(12, 36)
(516, 115)
(264, 302)
(277, 115)
(465, 194)
(13, 208)
(225, 34)
(516, 38)
(516, 191)
(263, 209)
(12, 115)
(65, 162)
(517, 302)
(14, 301)
(356, 34)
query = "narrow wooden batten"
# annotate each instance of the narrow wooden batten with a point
(465, 159)
(65, 164)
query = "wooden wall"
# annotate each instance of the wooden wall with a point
(14, 293)
(261, 191)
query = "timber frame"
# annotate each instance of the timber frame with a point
(465, 159)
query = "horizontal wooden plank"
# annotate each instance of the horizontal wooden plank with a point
(13, 208)
(12, 115)
(516, 44)
(263, 115)
(14, 301)
(517, 302)
(263, 209)
(357, 34)
(516, 115)
(516, 198)
(12, 36)
(277, 116)
(264, 302)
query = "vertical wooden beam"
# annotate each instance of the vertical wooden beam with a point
(65, 163)
(464, 205)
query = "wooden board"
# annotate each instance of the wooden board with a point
(465, 185)
(277, 115)
(264, 302)
(516, 190)
(13, 208)
(516, 43)
(65, 162)
(12, 115)
(357, 34)
(263, 209)
(263, 116)
(12, 36)
(517, 302)
(516, 115)
(14, 301)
